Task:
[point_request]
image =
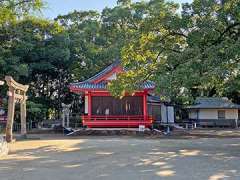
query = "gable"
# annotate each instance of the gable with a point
(111, 75)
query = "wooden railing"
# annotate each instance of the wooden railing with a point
(117, 121)
(116, 118)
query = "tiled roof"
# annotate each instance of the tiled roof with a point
(153, 99)
(104, 71)
(213, 103)
(89, 83)
(103, 86)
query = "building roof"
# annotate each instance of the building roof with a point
(99, 81)
(153, 99)
(108, 69)
(213, 103)
(103, 85)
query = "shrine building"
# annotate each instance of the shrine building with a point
(104, 110)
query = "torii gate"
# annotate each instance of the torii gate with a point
(16, 92)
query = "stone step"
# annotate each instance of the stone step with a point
(113, 132)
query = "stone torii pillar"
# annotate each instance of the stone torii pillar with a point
(16, 93)
(65, 111)
(23, 110)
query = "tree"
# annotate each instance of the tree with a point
(157, 37)
(86, 46)
(44, 47)
(10, 12)
(34, 51)
(188, 55)
(97, 39)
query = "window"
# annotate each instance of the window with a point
(221, 114)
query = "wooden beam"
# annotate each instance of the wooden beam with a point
(89, 104)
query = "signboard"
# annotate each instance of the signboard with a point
(167, 114)
(141, 128)
(170, 114)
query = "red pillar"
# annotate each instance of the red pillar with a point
(145, 105)
(89, 104)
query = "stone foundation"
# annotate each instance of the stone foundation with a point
(114, 132)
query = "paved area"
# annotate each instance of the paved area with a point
(103, 158)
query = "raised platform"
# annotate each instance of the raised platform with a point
(113, 132)
(116, 124)
(117, 121)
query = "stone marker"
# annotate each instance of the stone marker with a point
(65, 113)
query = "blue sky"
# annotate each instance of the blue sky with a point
(55, 7)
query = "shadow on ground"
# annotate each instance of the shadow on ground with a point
(122, 158)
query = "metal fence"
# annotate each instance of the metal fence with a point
(232, 123)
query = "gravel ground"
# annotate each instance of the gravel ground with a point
(103, 158)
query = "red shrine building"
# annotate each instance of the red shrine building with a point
(104, 110)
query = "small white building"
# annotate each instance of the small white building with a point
(214, 111)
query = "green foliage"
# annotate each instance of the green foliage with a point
(96, 39)
(35, 111)
(188, 55)
(34, 51)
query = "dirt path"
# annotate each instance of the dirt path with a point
(58, 158)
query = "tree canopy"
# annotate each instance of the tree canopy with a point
(188, 54)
